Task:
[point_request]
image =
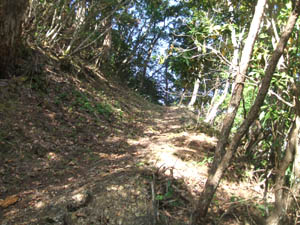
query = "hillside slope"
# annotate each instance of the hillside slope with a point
(77, 148)
(60, 129)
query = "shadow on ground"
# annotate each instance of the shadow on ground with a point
(90, 152)
(62, 137)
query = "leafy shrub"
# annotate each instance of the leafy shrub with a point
(104, 109)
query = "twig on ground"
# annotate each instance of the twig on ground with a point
(154, 204)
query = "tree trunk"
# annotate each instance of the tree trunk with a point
(255, 135)
(212, 113)
(195, 92)
(214, 97)
(292, 153)
(281, 191)
(80, 17)
(11, 18)
(210, 117)
(143, 75)
(182, 97)
(218, 166)
(166, 83)
(275, 39)
(107, 42)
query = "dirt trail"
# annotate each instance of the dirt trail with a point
(116, 182)
(113, 188)
(172, 146)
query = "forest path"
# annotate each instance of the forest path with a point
(109, 181)
(178, 149)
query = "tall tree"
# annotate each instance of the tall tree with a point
(292, 155)
(11, 18)
(217, 172)
(233, 68)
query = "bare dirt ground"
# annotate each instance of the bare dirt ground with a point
(77, 154)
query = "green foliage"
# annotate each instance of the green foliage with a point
(168, 194)
(206, 160)
(235, 198)
(264, 208)
(84, 102)
(104, 109)
(37, 82)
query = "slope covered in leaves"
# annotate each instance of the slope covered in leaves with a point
(77, 148)
(61, 125)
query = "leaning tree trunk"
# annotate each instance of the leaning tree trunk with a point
(11, 18)
(219, 166)
(215, 173)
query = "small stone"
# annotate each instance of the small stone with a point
(124, 194)
(39, 204)
(78, 201)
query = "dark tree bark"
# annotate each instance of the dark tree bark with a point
(11, 18)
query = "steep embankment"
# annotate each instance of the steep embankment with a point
(79, 149)
(63, 135)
